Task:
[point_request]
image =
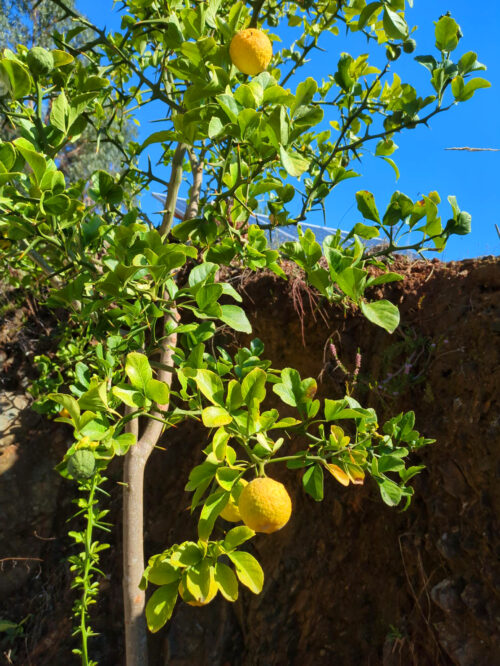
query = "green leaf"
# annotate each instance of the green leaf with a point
(59, 113)
(61, 58)
(187, 554)
(248, 122)
(313, 482)
(237, 536)
(367, 14)
(248, 570)
(384, 278)
(385, 147)
(410, 472)
(162, 572)
(212, 507)
(393, 164)
(7, 156)
(244, 95)
(105, 189)
(138, 370)
(253, 387)
(210, 385)
(367, 206)
(235, 317)
(333, 408)
(394, 25)
(226, 581)
(447, 34)
(342, 76)
(96, 398)
(461, 225)
(14, 78)
(429, 62)
(230, 106)
(207, 295)
(294, 391)
(226, 476)
(467, 91)
(365, 231)
(294, 164)
(123, 442)
(35, 160)
(160, 607)
(197, 580)
(352, 282)
(304, 95)
(215, 127)
(383, 313)
(388, 463)
(157, 391)
(214, 417)
(157, 137)
(469, 63)
(234, 397)
(128, 396)
(69, 403)
(391, 493)
(200, 474)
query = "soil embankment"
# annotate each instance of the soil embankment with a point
(349, 581)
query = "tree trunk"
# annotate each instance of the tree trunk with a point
(134, 599)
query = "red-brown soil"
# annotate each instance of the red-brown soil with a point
(349, 581)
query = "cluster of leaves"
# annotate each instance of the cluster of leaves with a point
(227, 395)
(87, 246)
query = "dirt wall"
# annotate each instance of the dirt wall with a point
(349, 581)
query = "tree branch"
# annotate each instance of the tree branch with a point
(197, 166)
(173, 189)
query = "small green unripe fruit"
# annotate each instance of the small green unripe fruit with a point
(409, 45)
(81, 465)
(40, 61)
(392, 52)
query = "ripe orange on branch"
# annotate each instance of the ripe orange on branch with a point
(251, 51)
(265, 505)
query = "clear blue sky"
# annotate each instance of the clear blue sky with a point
(423, 162)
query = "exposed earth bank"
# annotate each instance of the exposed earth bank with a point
(349, 581)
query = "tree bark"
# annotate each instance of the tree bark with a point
(133, 525)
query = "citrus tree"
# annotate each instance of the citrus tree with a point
(139, 348)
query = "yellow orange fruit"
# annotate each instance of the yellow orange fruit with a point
(251, 51)
(265, 505)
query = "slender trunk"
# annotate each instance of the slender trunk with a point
(137, 457)
(133, 555)
(133, 526)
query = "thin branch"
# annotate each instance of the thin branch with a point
(310, 46)
(104, 39)
(173, 188)
(197, 166)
